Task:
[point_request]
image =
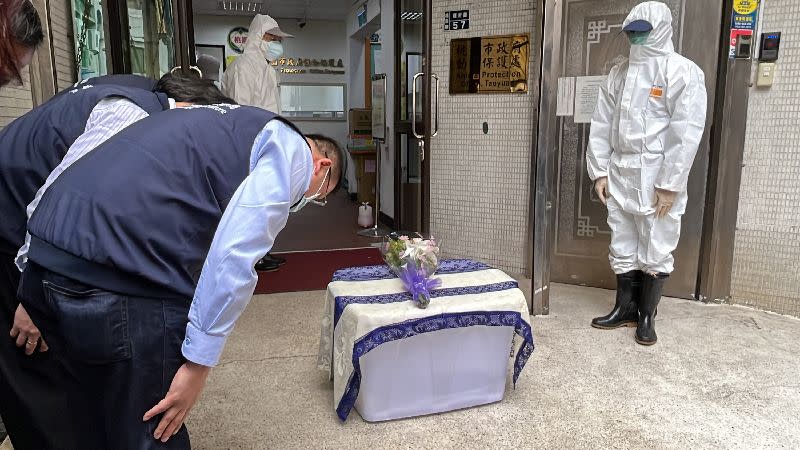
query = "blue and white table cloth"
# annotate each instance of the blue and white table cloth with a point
(367, 306)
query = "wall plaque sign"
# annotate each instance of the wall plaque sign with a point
(456, 20)
(317, 66)
(237, 37)
(489, 64)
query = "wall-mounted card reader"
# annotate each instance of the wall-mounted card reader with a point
(770, 44)
(744, 46)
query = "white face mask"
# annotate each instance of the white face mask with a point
(274, 50)
(306, 200)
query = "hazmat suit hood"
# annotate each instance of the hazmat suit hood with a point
(251, 79)
(659, 43)
(261, 24)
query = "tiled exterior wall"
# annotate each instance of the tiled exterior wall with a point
(15, 101)
(766, 272)
(480, 182)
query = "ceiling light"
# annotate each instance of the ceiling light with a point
(410, 16)
(240, 6)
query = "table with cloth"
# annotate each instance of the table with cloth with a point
(454, 353)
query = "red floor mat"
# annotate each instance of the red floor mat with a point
(311, 271)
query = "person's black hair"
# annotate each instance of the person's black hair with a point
(335, 153)
(26, 27)
(191, 89)
(19, 26)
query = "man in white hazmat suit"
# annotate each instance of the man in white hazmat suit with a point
(645, 132)
(251, 80)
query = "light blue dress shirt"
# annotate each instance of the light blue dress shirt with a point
(280, 173)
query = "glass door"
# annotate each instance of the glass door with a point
(151, 46)
(150, 37)
(413, 111)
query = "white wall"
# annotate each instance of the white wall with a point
(213, 30)
(318, 39)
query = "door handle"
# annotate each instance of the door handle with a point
(414, 106)
(436, 114)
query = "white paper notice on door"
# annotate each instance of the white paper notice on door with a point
(586, 92)
(566, 97)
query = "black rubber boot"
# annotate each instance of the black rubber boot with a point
(651, 294)
(625, 312)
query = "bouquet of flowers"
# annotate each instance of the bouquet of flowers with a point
(414, 260)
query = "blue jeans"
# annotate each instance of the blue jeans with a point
(120, 353)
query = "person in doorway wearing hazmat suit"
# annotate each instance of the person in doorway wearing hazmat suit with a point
(649, 122)
(251, 80)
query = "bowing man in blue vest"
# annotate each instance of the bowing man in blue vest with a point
(141, 259)
(34, 149)
(122, 79)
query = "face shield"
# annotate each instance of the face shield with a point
(637, 37)
(638, 31)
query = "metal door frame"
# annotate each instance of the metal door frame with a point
(402, 127)
(725, 170)
(545, 163)
(183, 37)
(427, 67)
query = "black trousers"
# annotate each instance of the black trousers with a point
(121, 354)
(27, 383)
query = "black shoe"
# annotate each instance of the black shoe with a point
(625, 312)
(267, 265)
(651, 294)
(277, 259)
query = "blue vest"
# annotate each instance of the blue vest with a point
(138, 214)
(34, 144)
(124, 79)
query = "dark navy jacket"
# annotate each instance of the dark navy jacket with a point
(137, 215)
(125, 80)
(34, 144)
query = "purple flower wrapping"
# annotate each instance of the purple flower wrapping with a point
(418, 283)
